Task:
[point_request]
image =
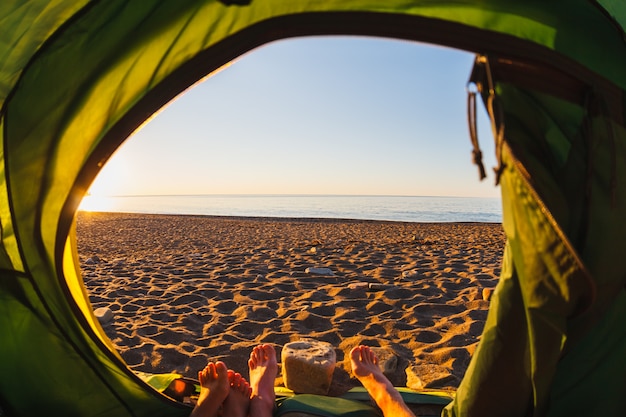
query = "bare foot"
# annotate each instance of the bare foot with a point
(263, 371)
(214, 388)
(365, 367)
(238, 400)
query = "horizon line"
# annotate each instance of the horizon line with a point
(284, 195)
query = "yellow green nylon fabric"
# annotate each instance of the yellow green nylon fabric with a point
(584, 372)
(9, 254)
(160, 382)
(71, 71)
(556, 319)
(26, 26)
(617, 10)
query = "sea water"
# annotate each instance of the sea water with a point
(392, 208)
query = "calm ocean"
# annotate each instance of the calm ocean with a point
(394, 208)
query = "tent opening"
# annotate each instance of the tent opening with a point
(289, 134)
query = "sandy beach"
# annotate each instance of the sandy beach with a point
(188, 289)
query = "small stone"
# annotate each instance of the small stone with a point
(358, 285)
(319, 271)
(423, 376)
(410, 274)
(104, 315)
(376, 287)
(92, 260)
(308, 366)
(487, 293)
(387, 359)
(313, 249)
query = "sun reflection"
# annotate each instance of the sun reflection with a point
(109, 184)
(96, 202)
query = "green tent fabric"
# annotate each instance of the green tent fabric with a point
(78, 77)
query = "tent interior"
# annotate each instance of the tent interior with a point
(78, 77)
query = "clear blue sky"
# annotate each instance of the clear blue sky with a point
(323, 115)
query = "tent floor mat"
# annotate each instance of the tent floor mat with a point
(356, 403)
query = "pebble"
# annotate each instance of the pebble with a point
(358, 285)
(93, 260)
(387, 359)
(104, 315)
(424, 376)
(410, 274)
(319, 271)
(376, 287)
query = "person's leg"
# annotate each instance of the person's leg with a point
(263, 370)
(214, 388)
(238, 400)
(365, 367)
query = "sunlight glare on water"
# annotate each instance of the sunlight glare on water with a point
(99, 203)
